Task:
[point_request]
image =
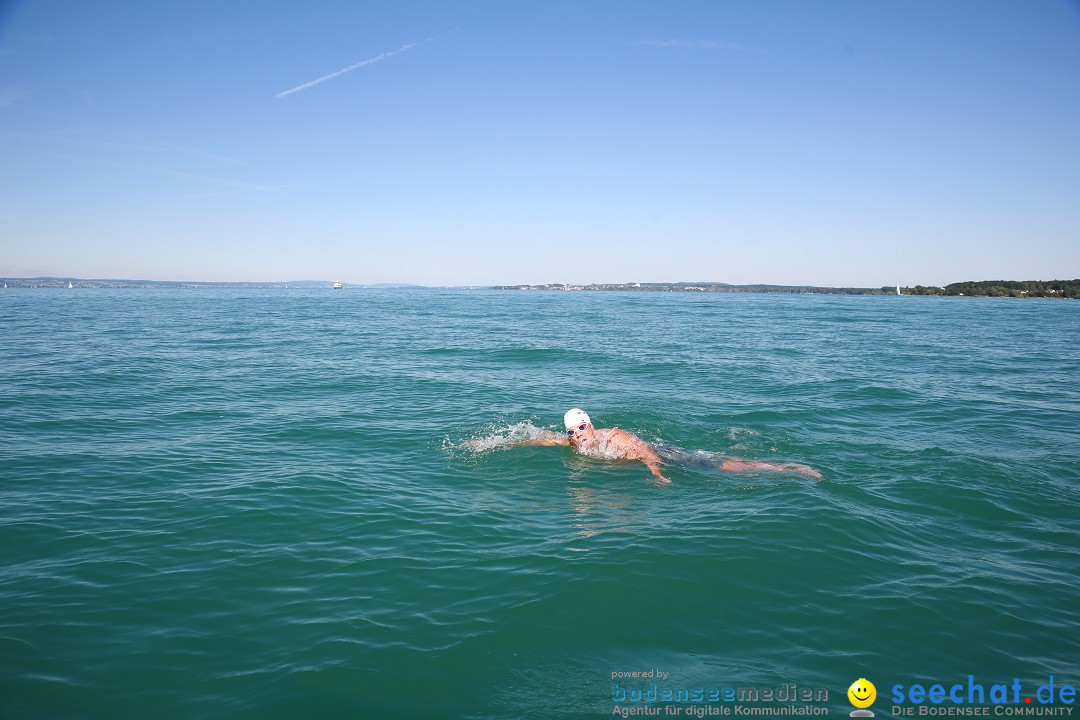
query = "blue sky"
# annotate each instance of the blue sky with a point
(859, 143)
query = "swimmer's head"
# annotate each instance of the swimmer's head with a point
(575, 417)
(578, 427)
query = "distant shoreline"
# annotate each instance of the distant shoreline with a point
(985, 288)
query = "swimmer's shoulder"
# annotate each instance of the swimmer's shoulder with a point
(624, 435)
(632, 442)
(614, 435)
(624, 439)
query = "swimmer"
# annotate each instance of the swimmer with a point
(620, 445)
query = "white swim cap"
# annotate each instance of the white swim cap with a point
(575, 417)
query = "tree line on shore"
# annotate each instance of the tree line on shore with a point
(1002, 288)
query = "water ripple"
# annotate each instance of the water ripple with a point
(255, 504)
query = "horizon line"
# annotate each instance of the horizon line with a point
(714, 283)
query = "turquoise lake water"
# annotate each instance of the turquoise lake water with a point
(260, 504)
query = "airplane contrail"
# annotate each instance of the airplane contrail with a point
(344, 70)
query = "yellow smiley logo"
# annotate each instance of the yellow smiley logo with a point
(862, 693)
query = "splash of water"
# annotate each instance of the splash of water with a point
(496, 437)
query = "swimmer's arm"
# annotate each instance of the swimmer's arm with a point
(654, 468)
(644, 452)
(545, 437)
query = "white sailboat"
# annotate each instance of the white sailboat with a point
(897, 289)
(70, 286)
